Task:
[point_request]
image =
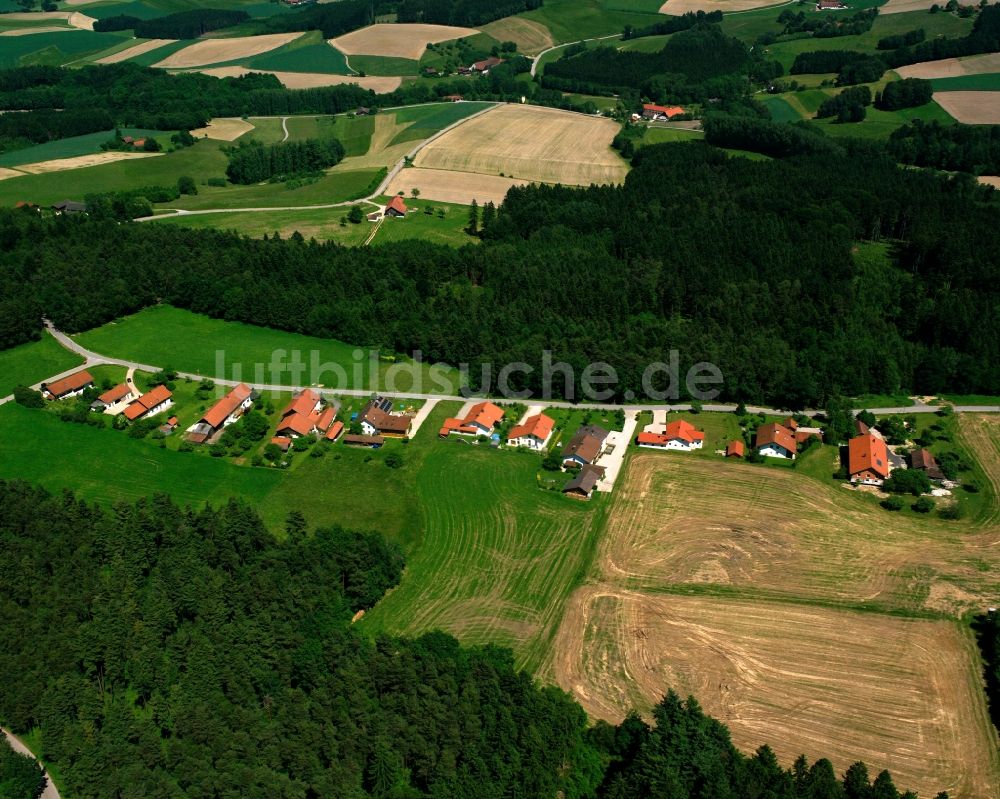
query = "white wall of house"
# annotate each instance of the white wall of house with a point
(159, 408)
(684, 446)
(774, 451)
(530, 442)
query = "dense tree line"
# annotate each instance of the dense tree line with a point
(819, 61)
(333, 19)
(969, 148)
(463, 13)
(21, 130)
(987, 629)
(862, 70)
(848, 106)
(253, 162)
(758, 277)
(984, 38)
(178, 653)
(825, 26)
(906, 93)
(907, 39)
(20, 776)
(181, 25)
(673, 24)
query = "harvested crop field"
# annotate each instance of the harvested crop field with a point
(215, 51)
(531, 37)
(902, 694)
(530, 143)
(224, 129)
(453, 187)
(310, 80)
(902, 6)
(81, 161)
(684, 6)
(397, 40)
(971, 107)
(74, 19)
(981, 434)
(132, 52)
(952, 67)
(29, 31)
(6, 173)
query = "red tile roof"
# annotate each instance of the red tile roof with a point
(221, 411)
(684, 430)
(326, 418)
(487, 63)
(335, 430)
(172, 421)
(396, 204)
(656, 439)
(73, 382)
(775, 433)
(735, 449)
(148, 401)
(282, 442)
(790, 423)
(539, 426)
(113, 395)
(666, 110)
(297, 423)
(867, 453)
(303, 402)
(484, 413)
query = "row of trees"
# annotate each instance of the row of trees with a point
(463, 13)
(673, 24)
(824, 26)
(969, 148)
(845, 105)
(906, 93)
(181, 25)
(178, 653)
(23, 130)
(253, 162)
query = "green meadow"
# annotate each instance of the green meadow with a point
(323, 224)
(54, 48)
(167, 336)
(31, 363)
(355, 133)
(424, 121)
(572, 20)
(447, 229)
(74, 146)
(987, 82)
(384, 65)
(309, 53)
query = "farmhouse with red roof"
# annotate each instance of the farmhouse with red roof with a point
(867, 460)
(735, 449)
(70, 386)
(680, 435)
(534, 433)
(775, 441)
(396, 207)
(661, 112)
(151, 403)
(226, 411)
(479, 421)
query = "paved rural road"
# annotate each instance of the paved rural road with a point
(537, 58)
(284, 127)
(95, 358)
(379, 191)
(17, 745)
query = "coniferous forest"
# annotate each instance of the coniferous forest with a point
(759, 267)
(173, 653)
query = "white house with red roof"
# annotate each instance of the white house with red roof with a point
(155, 401)
(479, 421)
(395, 207)
(679, 435)
(534, 433)
(654, 112)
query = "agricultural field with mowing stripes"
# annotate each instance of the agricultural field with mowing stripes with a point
(54, 48)
(498, 557)
(572, 20)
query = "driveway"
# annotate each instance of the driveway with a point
(422, 415)
(659, 424)
(615, 446)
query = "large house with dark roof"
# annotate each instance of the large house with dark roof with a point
(923, 460)
(377, 419)
(585, 447)
(775, 441)
(584, 482)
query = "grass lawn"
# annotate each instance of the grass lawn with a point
(987, 82)
(166, 336)
(424, 121)
(663, 135)
(334, 187)
(384, 65)
(646, 44)
(322, 224)
(602, 103)
(780, 110)
(267, 130)
(74, 146)
(355, 133)
(881, 401)
(151, 57)
(971, 399)
(498, 559)
(31, 363)
(309, 53)
(428, 227)
(879, 124)
(572, 20)
(54, 48)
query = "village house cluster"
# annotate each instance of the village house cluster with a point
(124, 399)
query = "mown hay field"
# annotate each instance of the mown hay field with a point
(216, 51)
(132, 52)
(902, 694)
(531, 37)
(223, 129)
(311, 80)
(397, 41)
(952, 67)
(971, 107)
(530, 143)
(453, 187)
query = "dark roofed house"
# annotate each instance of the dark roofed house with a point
(376, 420)
(372, 442)
(69, 207)
(583, 485)
(585, 446)
(923, 460)
(486, 64)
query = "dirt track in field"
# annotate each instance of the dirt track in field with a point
(971, 108)
(530, 143)
(215, 51)
(132, 52)
(397, 40)
(453, 187)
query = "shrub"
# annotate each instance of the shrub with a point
(28, 397)
(950, 512)
(218, 450)
(393, 460)
(908, 481)
(892, 503)
(923, 505)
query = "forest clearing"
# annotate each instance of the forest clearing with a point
(397, 41)
(530, 143)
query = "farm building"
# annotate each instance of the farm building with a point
(679, 435)
(396, 207)
(867, 460)
(305, 415)
(735, 449)
(453, 98)
(306, 402)
(282, 442)
(374, 216)
(533, 434)
(923, 460)
(70, 386)
(376, 419)
(149, 404)
(169, 426)
(335, 431)
(584, 483)
(585, 446)
(226, 411)
(803, 434)
(486, 65)
(479, 421)
(775, 441)
(661, 112)
(372, 442)
(123, 392)
(69, 207)
(862, 429)
(829, 5)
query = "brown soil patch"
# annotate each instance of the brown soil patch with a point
(224, 129)
(6, 173)
(310, 80)
(990, 180)
(453, 187)
(214, 51)
(81, 161)
(952, 67)
(397, 40)
(530, 143)
(132, 52)
(531, 37)
(972, 108)
(684, 6)
(901, 694)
